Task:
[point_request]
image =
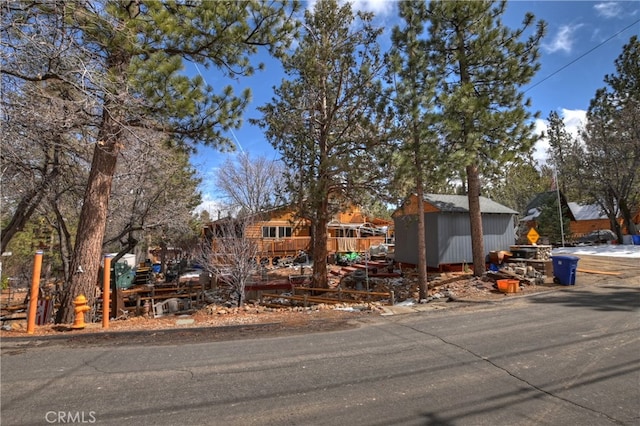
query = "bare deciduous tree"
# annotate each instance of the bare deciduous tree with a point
(154, 192)
(251, 185)
(42, 155)
(229, 255)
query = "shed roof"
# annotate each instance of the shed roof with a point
(460, 204)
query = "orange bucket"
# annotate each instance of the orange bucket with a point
(508, 286)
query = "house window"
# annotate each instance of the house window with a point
(269, 231)
(276, 231)
(284, 231)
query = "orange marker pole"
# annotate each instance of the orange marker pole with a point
(106, 289)
(35, 289)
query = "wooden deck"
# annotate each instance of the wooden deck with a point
(268, 247)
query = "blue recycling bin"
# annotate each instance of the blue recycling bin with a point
(564, 269)
(636, 240)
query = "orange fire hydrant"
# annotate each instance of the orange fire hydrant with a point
(81, 307)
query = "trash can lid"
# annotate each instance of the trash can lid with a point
(565, 257)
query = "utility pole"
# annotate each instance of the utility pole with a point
(555, 178)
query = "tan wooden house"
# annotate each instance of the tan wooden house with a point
(279, 233)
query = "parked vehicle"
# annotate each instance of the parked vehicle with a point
(602, 236)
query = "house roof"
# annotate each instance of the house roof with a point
(264, 215)
(587, 211)
(534, 208)
(460, 204)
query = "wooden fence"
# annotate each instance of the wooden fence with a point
(305, 296)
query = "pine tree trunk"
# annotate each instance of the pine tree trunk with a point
(320, 278)
(423, 281)
(87, 255)
(475, 220)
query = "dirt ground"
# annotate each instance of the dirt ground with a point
(216, 321)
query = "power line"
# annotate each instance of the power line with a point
(231, 130)
(582, 56)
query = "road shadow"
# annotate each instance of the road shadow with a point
(624, 299)
(177, 336)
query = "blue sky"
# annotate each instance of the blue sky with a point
(578, 51)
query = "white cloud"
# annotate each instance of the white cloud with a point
(311, 4)
(542, 146)
(379, 7)
(212, 205)
(563, 41)
(574, 120)
(610, 9)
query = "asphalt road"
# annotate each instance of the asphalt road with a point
(569, 357)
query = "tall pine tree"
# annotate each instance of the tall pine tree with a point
(561, 155)
(609, 160)
(324, 118)
(128, 58)
(481, 65)
(418, 154)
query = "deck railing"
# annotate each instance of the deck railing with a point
(269, 247)
(288, 246)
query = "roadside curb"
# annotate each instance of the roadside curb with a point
(33, 341)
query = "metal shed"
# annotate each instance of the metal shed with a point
(447, 229)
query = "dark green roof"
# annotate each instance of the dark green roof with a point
(543, 199)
